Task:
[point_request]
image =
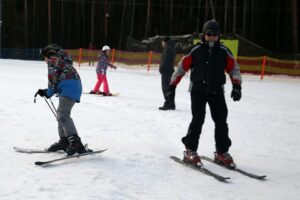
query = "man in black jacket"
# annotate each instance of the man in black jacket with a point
(166, 69)
(208, 61)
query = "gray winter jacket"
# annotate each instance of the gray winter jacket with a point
(168, 58)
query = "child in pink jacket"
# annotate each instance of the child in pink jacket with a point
(101, 72)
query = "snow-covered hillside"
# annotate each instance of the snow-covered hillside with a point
(264, 127)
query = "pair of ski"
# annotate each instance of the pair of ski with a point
(213, 174)
(43, 163)
(102, 94)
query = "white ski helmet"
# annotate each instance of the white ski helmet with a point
(105, 47)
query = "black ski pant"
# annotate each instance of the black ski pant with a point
(165, 83)
(219, 113)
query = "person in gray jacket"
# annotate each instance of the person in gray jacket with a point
(166, 69)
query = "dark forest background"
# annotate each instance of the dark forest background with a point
(273, 24)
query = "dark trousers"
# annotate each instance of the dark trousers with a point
(219, 112)
(165, 83)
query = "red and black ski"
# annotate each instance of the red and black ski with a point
(200, 169)
(251, 175)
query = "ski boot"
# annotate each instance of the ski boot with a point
(92, 92)
(225, 159)
(192, 157)
(168, 106)
(101, 93)
(76, 146)
(62, 144)
(107, 94)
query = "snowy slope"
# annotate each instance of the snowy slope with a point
(264, 128)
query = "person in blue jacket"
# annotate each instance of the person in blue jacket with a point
(63, 80)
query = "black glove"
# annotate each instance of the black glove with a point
(171, 89)
(236, 93)
(42, 93)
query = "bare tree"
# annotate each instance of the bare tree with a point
(0, 28)
(49, 21)
(106, 21)
(148, 19)
(245, 17)
(252, 19)
(226, 16)
(82, 23)
(234, 17)
(277, 32)
(198, 16)
(132, 19)
(93, 21)
(26, 23)
(171, 17)
(122, 23)
(62, 21)
(294, 27)
(33, 23)
(212, 7)
(206, 10)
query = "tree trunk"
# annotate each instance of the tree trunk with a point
(0, 28)
(191, 12)
(33, 24)
(171, 17)
(132, 19)
(49, 21)
(106, 21)
(206, 10)
(252, 19)
(62, 21)
(83, 24)
(245, 18)
(93, 22)
(26, 23)
(212, 7)
(77, 23)
(225, 16)
(122, 23)
(198, 16)
(277, 32)
(234, 17)
(148, 19)
(294, 27)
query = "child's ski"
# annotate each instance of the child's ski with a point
(42, 163)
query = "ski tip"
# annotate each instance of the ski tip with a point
(262, 177)
(39, 163)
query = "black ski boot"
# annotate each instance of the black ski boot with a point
(168, 106)
(62, 144)
(76, 146)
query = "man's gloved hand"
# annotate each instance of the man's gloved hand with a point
(171, 89)
(42, 93)
(236, 92)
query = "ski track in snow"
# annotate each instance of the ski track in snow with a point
(264, 128)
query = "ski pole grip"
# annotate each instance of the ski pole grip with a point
(34, 100)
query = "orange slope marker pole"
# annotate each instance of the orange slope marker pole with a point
(113, 56)
(264, 60)
(149, 61)
(79, 57)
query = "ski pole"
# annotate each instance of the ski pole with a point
(34, 100)
(53, 106)
(52, 109)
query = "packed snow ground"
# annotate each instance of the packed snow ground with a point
(264, 128)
